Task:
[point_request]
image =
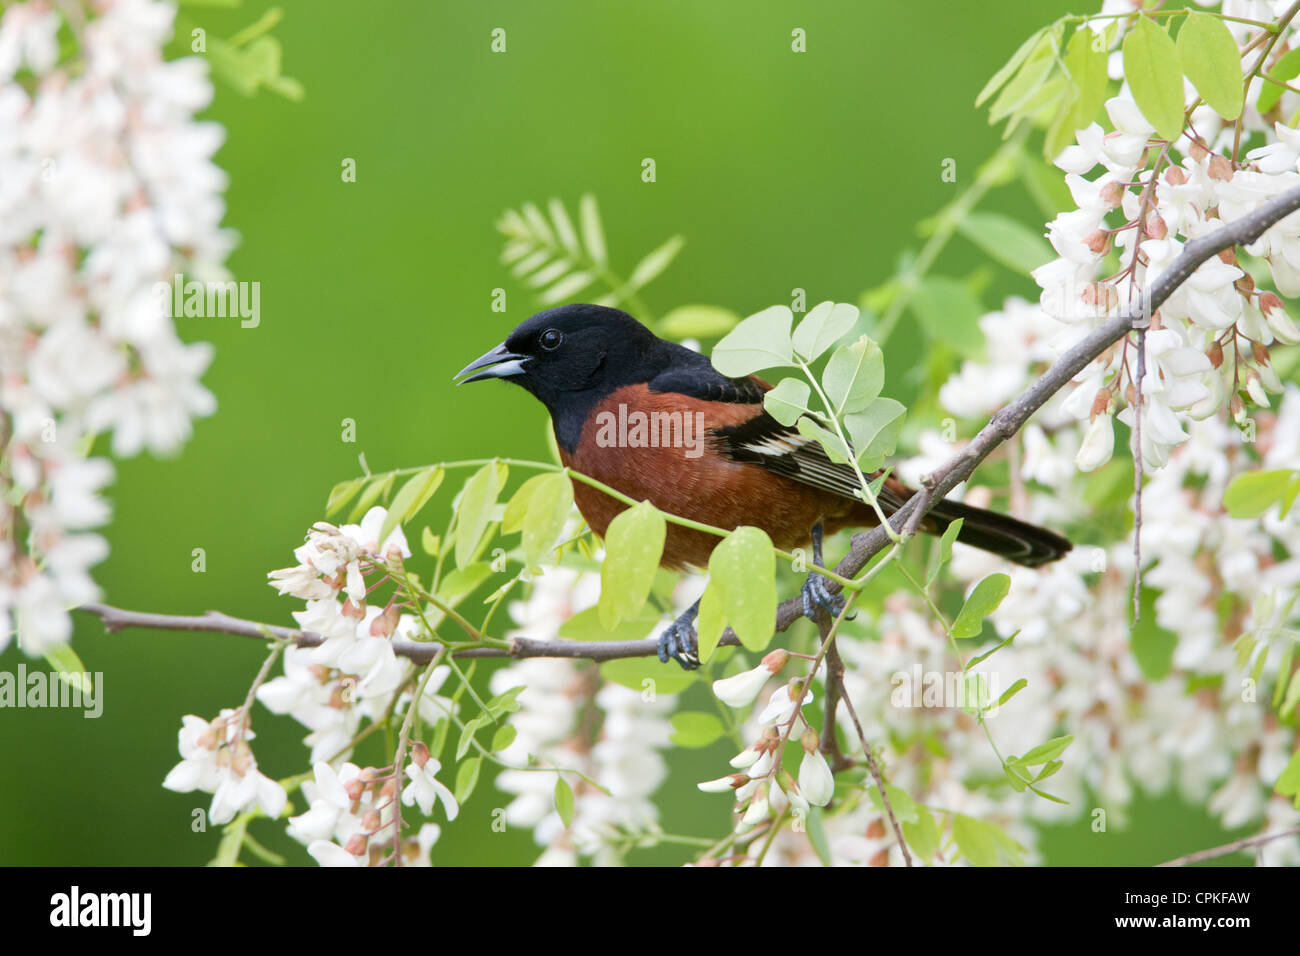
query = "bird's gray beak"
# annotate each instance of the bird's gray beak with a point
(503, 362)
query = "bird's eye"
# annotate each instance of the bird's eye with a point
(551, 339)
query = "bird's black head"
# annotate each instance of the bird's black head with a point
(571, 357)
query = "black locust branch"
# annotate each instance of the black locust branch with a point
(866, 545)
(1229, 848)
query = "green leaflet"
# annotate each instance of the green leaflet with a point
(874, 432)
(1251, 494)
(695, 729)
(634, 543)
(467, 778)
(413, 496)
(548, 508)
(697, 322)
(1208, 56)
(376, 489)
(760, 341)
(474, 509)
(949, 312)
(983, 601)
(1014, 245)
(1086, 63)
(1152, 69)
(822, 327)
(517, 508)
(788, 400)
(1285, 70)
(564, 801)
(854, 375)
(741, 592)
(1004, 72)
(342, 493)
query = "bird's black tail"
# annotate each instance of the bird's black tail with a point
(1000, 534)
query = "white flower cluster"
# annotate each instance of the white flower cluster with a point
(1209, 342)
(623, 756)
(330, 689)
(358, 635)
(216, 759)
(351, 808)
(350, 677)
(763, 789)
(107, 187)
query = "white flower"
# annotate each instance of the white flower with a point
(720, 785)
(758, 809)
(816, 782)
(741, 689)
(331, 854)
(333, 796)
(1098, 444)
(781, 705)
(217, 759)
(425, 788)
(367, 535)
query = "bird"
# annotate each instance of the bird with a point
(657, 422)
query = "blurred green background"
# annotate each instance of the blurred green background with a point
(782, 170)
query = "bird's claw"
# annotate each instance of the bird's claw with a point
(818, 597)
(678, 642)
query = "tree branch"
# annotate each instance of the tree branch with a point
(1228, 848)
(418, 652)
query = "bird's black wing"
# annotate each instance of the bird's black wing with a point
(765, 442)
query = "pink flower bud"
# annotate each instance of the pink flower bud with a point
(420, 753)
(775, 660)
(1098, 241)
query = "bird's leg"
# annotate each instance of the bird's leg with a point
(816, 595)
(678, 640)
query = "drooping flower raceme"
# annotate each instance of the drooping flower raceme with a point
(107, 188)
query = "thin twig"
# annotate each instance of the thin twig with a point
(1137, 480)
(830, 742)
(875, 772)
(1228, 848)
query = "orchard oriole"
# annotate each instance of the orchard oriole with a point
(655, 421)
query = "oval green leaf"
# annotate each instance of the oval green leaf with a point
(1152, 68)
(1209, 58)
(634, 543)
